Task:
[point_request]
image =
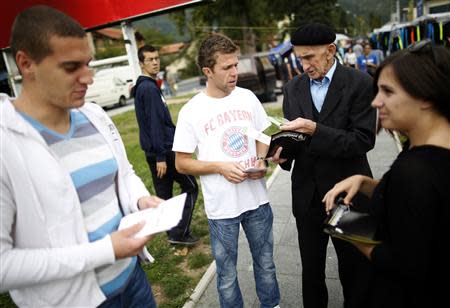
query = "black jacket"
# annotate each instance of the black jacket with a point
(412, 207)
(345, 133)
(156, 129)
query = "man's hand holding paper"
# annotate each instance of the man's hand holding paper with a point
(157, 219)
(300, 125)
(277, 121)
(149, 202)
(258, 171)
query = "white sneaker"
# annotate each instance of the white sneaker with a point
(277, 306)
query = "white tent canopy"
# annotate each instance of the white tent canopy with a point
(439, 17)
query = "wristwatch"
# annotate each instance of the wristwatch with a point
(264, 159)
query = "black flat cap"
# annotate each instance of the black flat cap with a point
(313, 34)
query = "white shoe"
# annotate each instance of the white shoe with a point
(277, 306)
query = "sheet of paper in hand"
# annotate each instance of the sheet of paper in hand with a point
(278, 121)
(289, 140)
(162, 218)
(257, 135)
(349, 225)
(252, 170)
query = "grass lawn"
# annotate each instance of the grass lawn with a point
(177, 269)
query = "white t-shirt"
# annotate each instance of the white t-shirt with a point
(215, 129)
(350, 58)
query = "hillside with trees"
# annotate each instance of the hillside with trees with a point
(373, 14)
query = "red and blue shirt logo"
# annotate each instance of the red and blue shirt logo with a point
(234, 142)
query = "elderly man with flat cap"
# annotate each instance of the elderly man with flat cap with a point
(331, 104)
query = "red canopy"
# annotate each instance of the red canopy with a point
(90, 13)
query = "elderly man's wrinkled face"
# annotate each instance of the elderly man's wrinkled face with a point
(316, 60)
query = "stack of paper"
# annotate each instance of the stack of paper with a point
(162, 218)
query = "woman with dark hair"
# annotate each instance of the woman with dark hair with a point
(410, 202)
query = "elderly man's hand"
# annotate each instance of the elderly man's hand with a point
(300, 125)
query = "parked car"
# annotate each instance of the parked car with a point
(256, 73)
(108, 90)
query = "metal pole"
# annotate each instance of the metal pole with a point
(14, 76)
(131, 48)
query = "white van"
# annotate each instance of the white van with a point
(108, 90)
(113, 80)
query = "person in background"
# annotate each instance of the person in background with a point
(379, 54)
(350, 58)
(231, 167)
(358, 48)
(410, 203)
(293, 65)
(367, 62)
(163, 84)
(331, 104)
(156, 132)
(65, 180)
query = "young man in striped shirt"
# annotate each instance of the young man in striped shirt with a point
(65, 180)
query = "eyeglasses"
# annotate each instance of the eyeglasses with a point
(150, 60)
(422, 47)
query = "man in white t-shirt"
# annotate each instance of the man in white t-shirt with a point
(214, 124)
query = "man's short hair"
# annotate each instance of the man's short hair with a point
(145, 48)
(33, 28)
(211, 45)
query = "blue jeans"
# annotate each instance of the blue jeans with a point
(257, 225)
(137, 293)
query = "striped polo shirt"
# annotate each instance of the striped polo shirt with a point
(86, 155)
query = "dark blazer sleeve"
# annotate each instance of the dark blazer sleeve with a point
(288, 164)
(350, 131)
(154, 109)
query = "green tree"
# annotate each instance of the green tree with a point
(303, 11)
(244, 21)
(110, 50)
(374, 21)
(155, 37)
(342, 21)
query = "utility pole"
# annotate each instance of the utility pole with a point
(131, 48)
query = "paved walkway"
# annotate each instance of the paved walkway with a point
(286, 252)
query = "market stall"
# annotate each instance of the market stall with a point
(392, 37)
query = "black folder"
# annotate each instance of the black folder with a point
(346, 223)
(289, 140)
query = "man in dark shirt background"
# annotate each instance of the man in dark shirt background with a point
(156, 132)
